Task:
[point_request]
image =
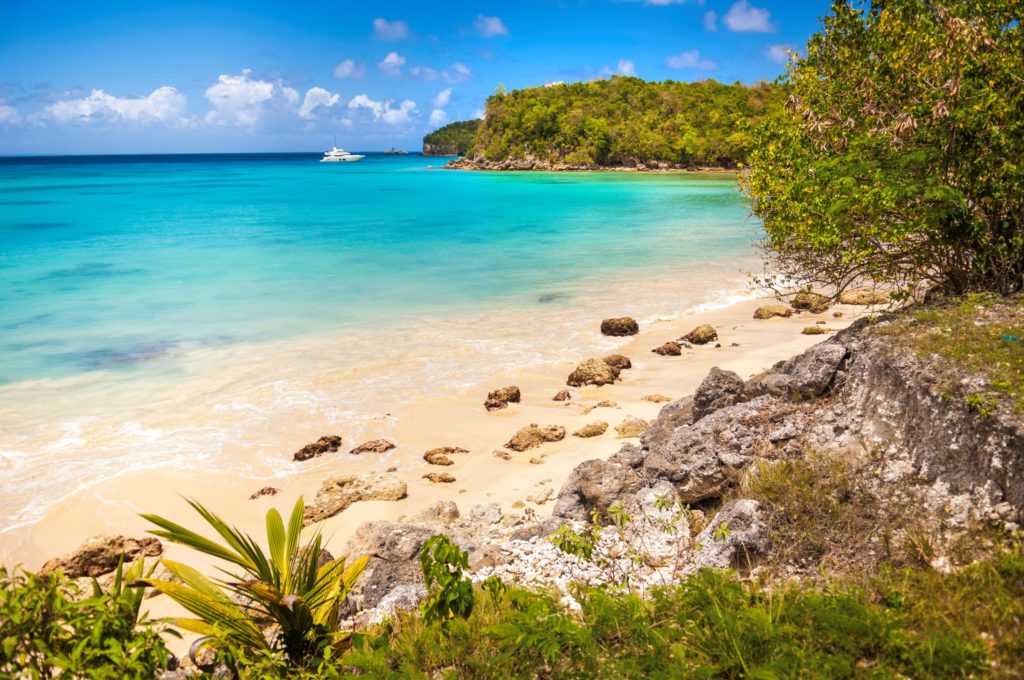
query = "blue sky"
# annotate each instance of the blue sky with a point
(145, 77)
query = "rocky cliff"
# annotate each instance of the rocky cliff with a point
(854, 453)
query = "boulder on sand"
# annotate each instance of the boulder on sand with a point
(657, 398)
(326, 444)
(563, 395)
(439, 477)
(863, 296)
(618, 327)
(337, 493)
(813, 302)
(631, 427)
(768, 311)
(265, 491)
(439, 456)
(533, 435)
(501, 397)
(618, 361)
(374, 446)
(701, 335)
(100, 555)
(669, 349)
(593, 372)
(595, 429)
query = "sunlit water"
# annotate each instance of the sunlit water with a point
(178, 310)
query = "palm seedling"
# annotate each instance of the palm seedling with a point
(287, 592)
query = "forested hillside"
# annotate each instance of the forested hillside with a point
(454, 139)
(625, 122)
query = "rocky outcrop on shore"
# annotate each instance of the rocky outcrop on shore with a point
(857, 394)
(527, 164)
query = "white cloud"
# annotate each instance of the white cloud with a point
(778, 53)
(9, 115)
(691, 59)
(554, 83)
(460, 72)
(383, 110)
(710, 22)
(438, 117)
(489, 27)
(317, 97)
(442, 98)
(347, 68)
(390, 30)
(479, 114)
(162, 105)
(745, 18)
(626, 68)
(242, 100)
(454, 74)
(392, 64)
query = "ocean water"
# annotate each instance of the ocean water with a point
(160, 310)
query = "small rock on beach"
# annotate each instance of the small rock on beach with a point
(500, 398)
(619, 327)
(533, 435)
(595, 429)
(374, 446)
(326, 444)
(701, 335)
(768, 311)
(593, 372)
(669, 349)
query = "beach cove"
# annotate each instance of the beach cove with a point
(222, 340)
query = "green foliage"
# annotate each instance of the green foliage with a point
(626, 121)
(454, 139)
(287, 588)
(45, 631)
(905, 623)
(900, 159)
(450, 593)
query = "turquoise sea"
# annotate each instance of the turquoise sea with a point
(158, 305)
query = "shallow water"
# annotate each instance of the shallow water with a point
(178, 310)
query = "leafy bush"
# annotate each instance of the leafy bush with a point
(288, 589)
(450, 592)
(899, 160)
(46, 631)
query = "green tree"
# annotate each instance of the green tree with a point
(900, 157)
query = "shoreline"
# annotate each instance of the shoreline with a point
(454, 419)
(528, 165)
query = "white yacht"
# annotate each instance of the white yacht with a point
(336, 155)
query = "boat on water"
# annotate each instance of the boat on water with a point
(396, 152)
(337, 155)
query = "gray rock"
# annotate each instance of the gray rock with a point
(485, 513)
(733, 539)
(444, 512)
(393, 549)
(593, 486)
(401, 598)
(718, 390)
(813, 371)
(703, 459)
(671, 416)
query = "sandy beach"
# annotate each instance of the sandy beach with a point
(748, 346)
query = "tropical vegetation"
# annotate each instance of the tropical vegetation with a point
(454, 139)
(50, 628)
(626, 121)
(295, 590)
(898, 157)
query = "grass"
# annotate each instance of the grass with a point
(978, 335)
(903, 623)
